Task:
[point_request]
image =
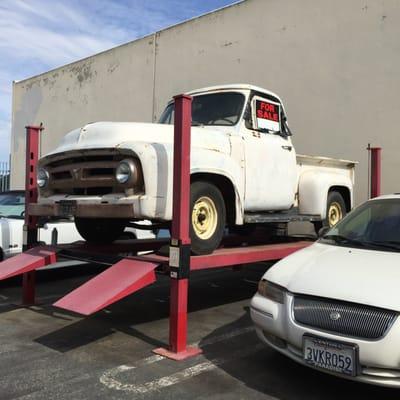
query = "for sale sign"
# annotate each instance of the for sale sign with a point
(268, 115)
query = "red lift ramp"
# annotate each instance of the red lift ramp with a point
(120, 280)
(28, 261)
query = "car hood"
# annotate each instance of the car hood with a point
(120, 134)
(343, 273)
(10, 227)
(11, 222)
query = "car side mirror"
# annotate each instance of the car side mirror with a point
(323, 231)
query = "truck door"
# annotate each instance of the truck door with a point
(271, 167)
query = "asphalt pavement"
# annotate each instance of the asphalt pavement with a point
(48, 353)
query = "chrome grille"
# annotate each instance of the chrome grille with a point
(348, 319)
(89, 172)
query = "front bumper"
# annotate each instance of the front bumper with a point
(379, 359)
(84, 210)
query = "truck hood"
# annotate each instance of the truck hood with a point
(119, 134)
(356, 275)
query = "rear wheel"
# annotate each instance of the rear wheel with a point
(207, 218)
(336, 208)
(335, 211)
(100, 230)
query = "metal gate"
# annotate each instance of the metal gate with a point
(4, 176)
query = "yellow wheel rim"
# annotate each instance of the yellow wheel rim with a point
(204, 217)
(335, 213)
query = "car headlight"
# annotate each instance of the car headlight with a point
(42, 178)
(126, 171)
(271, 291)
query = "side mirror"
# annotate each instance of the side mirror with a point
(323, 231)
(247, 117)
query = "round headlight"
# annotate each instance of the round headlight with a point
(42, 177)
(124, 171)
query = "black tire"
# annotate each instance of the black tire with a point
(100, 230)
(127, 236)
(204, 192)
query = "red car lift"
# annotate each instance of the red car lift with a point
(375, 162)
(128, 274)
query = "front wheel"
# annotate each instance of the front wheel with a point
(207, 219)
(100, 230)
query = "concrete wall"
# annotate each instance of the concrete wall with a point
(334, 62)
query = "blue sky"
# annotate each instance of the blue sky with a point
(38, 35)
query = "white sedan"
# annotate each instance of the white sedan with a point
(334, 306)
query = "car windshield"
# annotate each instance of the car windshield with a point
(373, 225)
(12, 204)
(211, 109)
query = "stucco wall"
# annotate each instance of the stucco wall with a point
(335, 63)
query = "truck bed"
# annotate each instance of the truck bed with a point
(305, 160)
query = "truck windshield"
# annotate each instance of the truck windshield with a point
(211, 109)
(12, 204)
(373, 225)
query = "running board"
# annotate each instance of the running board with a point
(30, 260)
(120, 280)
(279, 217)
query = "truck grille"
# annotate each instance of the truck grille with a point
(348, 319)
(88, 173)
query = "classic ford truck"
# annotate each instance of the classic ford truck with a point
(244, 170)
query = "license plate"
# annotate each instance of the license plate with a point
(334, 356)
(67, 208)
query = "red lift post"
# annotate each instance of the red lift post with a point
(376, 170)
(179, 258)
(31, 222)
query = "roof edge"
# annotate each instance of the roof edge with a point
(130, 42)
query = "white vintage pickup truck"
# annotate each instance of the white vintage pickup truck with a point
(244, 170)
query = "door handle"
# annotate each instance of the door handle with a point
(288, 148)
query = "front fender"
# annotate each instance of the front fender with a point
(157, 163)
(217, 163)
(314, 187)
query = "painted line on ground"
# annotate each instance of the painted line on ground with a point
(111, 381)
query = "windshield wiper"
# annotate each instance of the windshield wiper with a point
(390, 244)
(344, 240)
(195, 123)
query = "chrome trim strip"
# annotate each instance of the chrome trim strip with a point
(267, 314)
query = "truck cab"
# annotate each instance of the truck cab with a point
(259, 132)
